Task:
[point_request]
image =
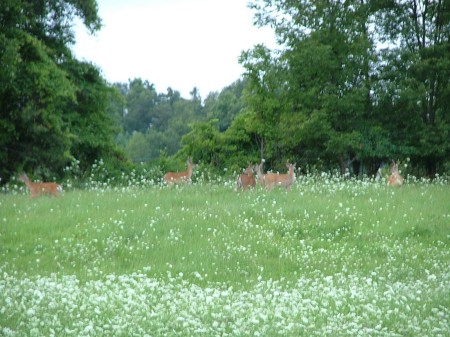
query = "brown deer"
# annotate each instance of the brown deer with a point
(38, 189)
(171, 178)
(285, 180)
(246, 179)
(395, 179)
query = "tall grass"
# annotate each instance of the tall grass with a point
(331, 257)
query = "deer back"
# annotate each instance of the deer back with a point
(276, 179)
(180, 177)
(38, 189)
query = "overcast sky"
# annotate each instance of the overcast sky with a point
(178, 43)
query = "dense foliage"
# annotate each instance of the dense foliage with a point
(360, 81)
(53, 107)
(155, 125)
(353, 85)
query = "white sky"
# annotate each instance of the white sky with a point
(178, 43)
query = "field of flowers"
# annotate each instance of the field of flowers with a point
(332, 257)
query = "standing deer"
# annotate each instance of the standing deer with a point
(38, 189)
(171, 178)
(270, 180)
(395, 179)
(246, 179)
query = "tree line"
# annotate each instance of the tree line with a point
(352, 85)
(361, 81)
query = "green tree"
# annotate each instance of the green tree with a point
(91, 128)
(117, 105)
(32, 93)
(416, 78)
(33, 86)
(137, 148)
(53, 107)
(323, 77)
(204, 143)
(264, 96)
(240, 144)
(141, 99)
(157, 120)
(226, 105)
(361, 102)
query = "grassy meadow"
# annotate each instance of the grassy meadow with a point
(331, 257)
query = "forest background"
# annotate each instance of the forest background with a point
(353, 84)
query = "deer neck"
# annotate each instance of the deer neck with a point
(27, 181)
(189, 171)
(291, 174)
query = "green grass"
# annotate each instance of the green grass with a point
(330, 257)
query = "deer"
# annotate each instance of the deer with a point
(38, 189)
(246, 179)
(395, 179)
(275, 179)
(171, 178)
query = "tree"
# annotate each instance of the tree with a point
(116, 105)
(141, 98)
(157, 120)
(239, 142)
(344, 98)
(323, 75)
(417, 77)
(203, 143)
(91, 128)
(33, 90)
(137, 148)
(53, 107)
(264, 97)
(226, 105)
